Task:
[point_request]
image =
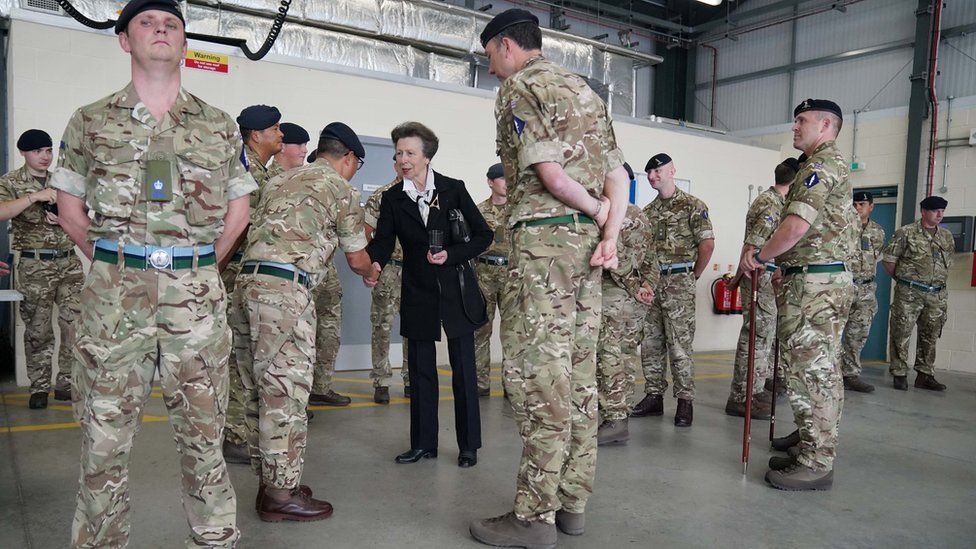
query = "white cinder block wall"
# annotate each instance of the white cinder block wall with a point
(55, 69)
(882, 137)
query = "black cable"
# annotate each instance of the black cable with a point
(240, 43)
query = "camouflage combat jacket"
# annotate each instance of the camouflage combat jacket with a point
(921, 255)
(821, 195)
(260, 173)
(763, 217)
(372, 214)
(870, 244)
(494, 215)
(634, 254)
(103, 158)
(30, 228)
(678, 225)
(303, 217)
(547, 114)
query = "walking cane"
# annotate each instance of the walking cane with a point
(750, 373)
(772, 407)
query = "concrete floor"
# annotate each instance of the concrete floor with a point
(905, 477)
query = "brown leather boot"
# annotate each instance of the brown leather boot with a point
(856, 384)
(257, 500)
(684, 414)
(278, 504)
(927, 381)
(329, 398)
(651, 405)
(508, 531)
(799, 477)
(760, 409)
(613, 431)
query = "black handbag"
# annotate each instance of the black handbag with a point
(461, 232)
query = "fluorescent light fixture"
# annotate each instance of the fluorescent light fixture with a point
(711, 2)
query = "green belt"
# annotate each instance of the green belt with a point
(278, 272)
(44, 254)
(136, 262)
(558, 220)
(237, 257)
(815, 269)
(679, 270)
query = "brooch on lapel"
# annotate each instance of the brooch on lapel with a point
(435, 204)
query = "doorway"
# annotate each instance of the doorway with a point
(885, 204)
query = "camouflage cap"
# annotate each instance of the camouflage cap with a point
(135, 7)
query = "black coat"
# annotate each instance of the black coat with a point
(430, 295)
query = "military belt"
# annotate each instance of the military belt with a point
(286, 271)
(237, 257)
(396, 262)
(157, 257)
(558, 220)
(497, 260)
(920, 285)
(677, 268)
(44, 253)
(770, 267)
(864, 280)
(829, 268)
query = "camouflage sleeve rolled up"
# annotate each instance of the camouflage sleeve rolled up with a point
(615, 156)
(632, 247)
(701, 224)
(540, 139)
(73, 166)
(761, 220)
(372, 210)
(6, 188)
(809, 195)
(650, 267)
(349, 224)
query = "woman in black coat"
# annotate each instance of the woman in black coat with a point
(437, 289)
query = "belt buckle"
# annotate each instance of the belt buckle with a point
(161, 259)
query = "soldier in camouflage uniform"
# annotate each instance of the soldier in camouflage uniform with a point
(262, 139)
(554, 134)
(162, 177)
(48, 271)
(682, 245)
(384, 306)
(863, 266)
(303, 216)
(812, 244)
(761, 220)
(918, 258)
(623, 323)
(492, 271)
(294, 147)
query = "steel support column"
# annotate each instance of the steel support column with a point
(918, 108)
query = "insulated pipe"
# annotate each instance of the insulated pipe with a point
(714, 79)
(945, 159)
(933, 98)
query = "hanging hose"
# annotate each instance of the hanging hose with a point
(240, 43)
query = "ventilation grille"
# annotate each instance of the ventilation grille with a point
(46, 6)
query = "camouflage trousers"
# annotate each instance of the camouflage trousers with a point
(912, 306)
(44, 283)
(812, 311)
(858, 327)
(551, 381)
(765, 335)
(491, 279)
(277, 373)
(618, 357)
(133, 323)
(669, 332)
(235, 431)
(328, 327)
(384, 306)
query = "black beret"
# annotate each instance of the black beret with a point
(863, 196)
(825, 105)
(656, 161)
(31, 140)
(933, 203)
(792, 163)
(311, 157)
(258, 117)
(293, 134)
(504, 20)
(630, 171)
(135, 7)
(495, 171)
(345, 135)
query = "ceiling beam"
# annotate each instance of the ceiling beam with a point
(627, 16)
(739, 16)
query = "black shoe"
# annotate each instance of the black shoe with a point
(784, 443)
(486, 392)
(406, 391)
(468, 458)
(381, 395)
(651, 405)
(38, 401)
(62, 394)
(927, 381)
(856, 384)
(415, 455)
(309, 414)
(684, 414)
(329, 398)
(236, 453)
(778, 463)
(901, 383)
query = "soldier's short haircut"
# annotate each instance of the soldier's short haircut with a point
(784, 174)
(527, 35)
(332, 148)
(427, 137)
(246, 134)
(835, 121)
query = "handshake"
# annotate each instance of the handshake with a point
(372, 277)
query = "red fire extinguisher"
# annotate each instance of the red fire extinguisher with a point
(737, 299)
(722, 295)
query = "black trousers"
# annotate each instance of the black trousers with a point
(422, 361)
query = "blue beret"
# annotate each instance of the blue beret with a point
(258, 117)
(504, 20)
(344, 134)
(135, 7)
(495, 171)
(934, 203)
(825, 105)
(656, 161)
(293, 134)
(31, 140)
